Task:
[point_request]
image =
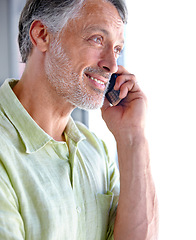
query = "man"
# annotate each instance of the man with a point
(56, 180)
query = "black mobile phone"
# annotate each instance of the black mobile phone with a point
(111, 94)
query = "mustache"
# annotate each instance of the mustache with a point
(98, 71)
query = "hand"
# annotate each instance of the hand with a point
(128, 117)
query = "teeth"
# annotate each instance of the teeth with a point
(96, 80)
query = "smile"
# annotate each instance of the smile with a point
(96, 80)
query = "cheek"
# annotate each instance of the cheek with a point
(83, 58)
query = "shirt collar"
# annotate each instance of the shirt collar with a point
(73, 132)
(33, 137)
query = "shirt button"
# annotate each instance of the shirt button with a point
(78, 209)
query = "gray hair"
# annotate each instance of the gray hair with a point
(54, 14)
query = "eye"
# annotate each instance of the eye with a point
(97, 39)
(118, 50)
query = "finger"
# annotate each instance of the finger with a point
(132, 96)
(125, 88)
(129, 86)
(122, 79)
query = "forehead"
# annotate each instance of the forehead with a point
(100, 14)
(103, 9)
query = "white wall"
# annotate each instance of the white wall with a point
(10, 65)
(15, 8)
(161, 52)
(4, 62)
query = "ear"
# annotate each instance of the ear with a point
(39, 35)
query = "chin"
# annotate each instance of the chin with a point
(90, 105)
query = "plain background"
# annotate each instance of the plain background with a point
(161, 51)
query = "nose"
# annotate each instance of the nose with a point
(108, 61)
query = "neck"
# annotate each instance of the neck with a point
(49, 111)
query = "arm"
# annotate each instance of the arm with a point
(11, 224)
(137, 215)
(137, 210)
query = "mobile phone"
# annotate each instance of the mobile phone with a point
(111, 94)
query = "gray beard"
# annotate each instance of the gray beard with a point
(66, 82)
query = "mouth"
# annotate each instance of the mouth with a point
(96, 80)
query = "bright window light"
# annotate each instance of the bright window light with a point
(161, 51)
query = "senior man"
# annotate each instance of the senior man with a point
(56, 179)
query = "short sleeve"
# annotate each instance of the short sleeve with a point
(11, 224)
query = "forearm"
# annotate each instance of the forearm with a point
(137, 215)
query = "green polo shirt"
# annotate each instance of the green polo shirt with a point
(52, 190)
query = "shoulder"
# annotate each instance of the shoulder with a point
(9, 137)
(92, 139)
